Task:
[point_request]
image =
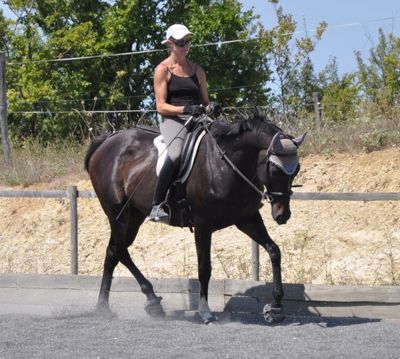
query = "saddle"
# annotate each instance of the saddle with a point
(179, 210)
(188, 155)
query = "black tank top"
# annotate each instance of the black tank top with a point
(183, 91)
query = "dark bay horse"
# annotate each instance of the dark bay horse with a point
(233, 165)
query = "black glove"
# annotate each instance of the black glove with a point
(215, 108)
(194, 110)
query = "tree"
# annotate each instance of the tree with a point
(379, 78)
(237, 72)
(340, 95)
(52, 29)
(293, 69)
(308, 84)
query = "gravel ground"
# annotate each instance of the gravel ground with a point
(85, 336)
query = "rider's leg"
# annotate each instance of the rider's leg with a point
(174, 133)
(163, 183)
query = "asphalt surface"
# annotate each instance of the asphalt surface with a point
(83, 335)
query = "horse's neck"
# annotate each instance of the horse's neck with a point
(252, 142)
(243, 150)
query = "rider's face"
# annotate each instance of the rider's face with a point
(181, 45)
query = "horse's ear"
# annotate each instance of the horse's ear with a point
(276, 145)
(299, 140)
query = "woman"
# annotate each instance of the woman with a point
(180, 89)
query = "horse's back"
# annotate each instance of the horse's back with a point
(134, 142)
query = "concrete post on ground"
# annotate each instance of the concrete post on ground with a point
(3, 110)
(73, 201)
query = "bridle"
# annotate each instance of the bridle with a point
(272, 195)
(268, 195)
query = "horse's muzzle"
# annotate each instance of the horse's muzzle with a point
(282, 219)
(280, 213)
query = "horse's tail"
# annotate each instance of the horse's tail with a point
(94, 145)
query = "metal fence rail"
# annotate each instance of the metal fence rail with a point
(73, 194)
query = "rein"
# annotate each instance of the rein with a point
(263, 195)
(267, 195)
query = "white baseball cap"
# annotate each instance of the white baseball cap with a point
(177, 31)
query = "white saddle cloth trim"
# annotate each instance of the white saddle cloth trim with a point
(162, 154)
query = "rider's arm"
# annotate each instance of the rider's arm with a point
(160, 92)
(201, 75)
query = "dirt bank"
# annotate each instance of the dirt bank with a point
(324, 242)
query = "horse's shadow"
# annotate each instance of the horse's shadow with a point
(299, 309)
(247, 307)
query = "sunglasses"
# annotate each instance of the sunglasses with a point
(181, 42)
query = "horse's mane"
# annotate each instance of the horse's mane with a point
(257, 123)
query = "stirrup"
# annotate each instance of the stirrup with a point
(158, 214)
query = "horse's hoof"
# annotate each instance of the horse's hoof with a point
(272, 314)
(154, 308)
(104, 312)
(211, 321)
(208, 319)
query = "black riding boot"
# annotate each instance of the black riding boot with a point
(163, 183)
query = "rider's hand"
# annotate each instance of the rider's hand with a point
(214, 108)
(194, 110)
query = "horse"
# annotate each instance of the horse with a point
(233, 165)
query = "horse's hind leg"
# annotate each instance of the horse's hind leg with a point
(123, 235)
(255, 229)
(110, 262)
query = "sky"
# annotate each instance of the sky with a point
(352, 25)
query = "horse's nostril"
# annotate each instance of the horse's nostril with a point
(281, 219)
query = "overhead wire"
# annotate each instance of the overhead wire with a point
(125, 97)
(216, 43)
(80, 111)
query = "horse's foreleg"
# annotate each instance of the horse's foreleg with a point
(256, 230)
(203, 248)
